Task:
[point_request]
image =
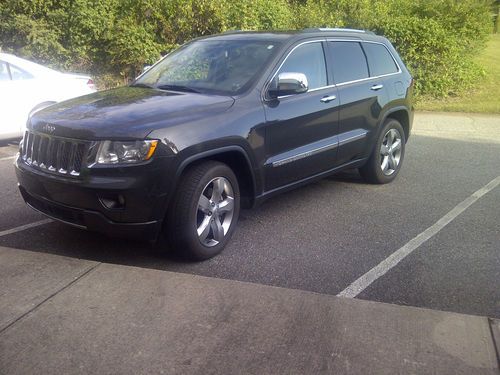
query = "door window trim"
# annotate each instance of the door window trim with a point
(265, 98)
(273, 75)
(390, 54)
(371, 77)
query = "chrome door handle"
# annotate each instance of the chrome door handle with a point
(327, 99)
(377, 87)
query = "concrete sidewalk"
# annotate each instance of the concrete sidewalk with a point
(458, 126)
(62, 315)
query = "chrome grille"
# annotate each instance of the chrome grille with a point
(54, 154)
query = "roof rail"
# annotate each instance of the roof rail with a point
(316, 29)
(233, 31)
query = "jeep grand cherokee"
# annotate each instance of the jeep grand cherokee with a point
(221, 123)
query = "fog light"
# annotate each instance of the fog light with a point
(113, 202)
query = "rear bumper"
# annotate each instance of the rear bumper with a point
(91, 220)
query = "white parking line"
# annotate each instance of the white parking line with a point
(8, 158)
(24, 227)
(383, 267)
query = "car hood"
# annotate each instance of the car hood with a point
(126, 113)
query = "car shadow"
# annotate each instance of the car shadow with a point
(60, 239)
(10, 142)
(350, 176)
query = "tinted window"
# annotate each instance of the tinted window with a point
(349, 61)
(308, 59)
(4, 73)
(379, 59)
(18, 74)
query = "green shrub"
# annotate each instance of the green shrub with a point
(438, 61)
(319, 13)
(436, 38)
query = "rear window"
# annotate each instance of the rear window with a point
(349, 61)
(379, 59)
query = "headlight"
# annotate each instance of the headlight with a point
(116, 152)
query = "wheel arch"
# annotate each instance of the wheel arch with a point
(239, 162)
(402, 115)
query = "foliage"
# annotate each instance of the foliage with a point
(115, 38)
(437, 41)
(495, 10)
(485, 97)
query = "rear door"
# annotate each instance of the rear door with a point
(361, 98)
(384, 66)
(302, 129)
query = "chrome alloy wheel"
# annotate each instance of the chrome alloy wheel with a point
(215, 211)
(390, 152)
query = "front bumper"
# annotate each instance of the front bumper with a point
(79, 202)
(91, 220)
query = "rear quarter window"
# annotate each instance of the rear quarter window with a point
(380, 60)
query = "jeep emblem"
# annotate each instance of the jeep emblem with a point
(48, 128)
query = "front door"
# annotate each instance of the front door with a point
(302, 129)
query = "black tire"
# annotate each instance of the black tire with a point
(184, 216)
(372, 171)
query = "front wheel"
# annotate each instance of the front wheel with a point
(387, 156)
(205, 211)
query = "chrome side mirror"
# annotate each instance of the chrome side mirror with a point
(288, 84)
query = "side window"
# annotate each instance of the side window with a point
(349, 61)
(4, 73)
(379, 59)
(308, 59)
(18, 74)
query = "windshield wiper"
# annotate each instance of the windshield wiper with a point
(141, 85)
(177, 88)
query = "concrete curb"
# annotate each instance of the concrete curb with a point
(102, 318)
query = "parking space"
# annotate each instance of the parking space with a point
(462, 261)
(324, 236)
(12, 210)
(7, 150)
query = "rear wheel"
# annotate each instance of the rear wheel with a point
(387, 156)
(205, 211)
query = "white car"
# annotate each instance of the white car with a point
(26, 87)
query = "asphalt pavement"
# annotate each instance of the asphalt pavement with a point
(324, 236)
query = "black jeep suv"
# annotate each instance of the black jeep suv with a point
(224, 121)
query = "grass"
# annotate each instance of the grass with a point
(485, 98)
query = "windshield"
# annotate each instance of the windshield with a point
(222, 67)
